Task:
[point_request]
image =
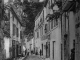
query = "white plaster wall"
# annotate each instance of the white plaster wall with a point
(55, 36)
(6, 46)
(38, 44)
(11, 24)
(28, 46)
(32, 42)
(38, 40)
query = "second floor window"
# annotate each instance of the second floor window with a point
(17, 32)
(37, 34)
(55, 22)
(47, 49)
(45, 28)
(20, 34)
(51, 24)
(14, 29)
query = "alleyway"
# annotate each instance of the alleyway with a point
(32, 57)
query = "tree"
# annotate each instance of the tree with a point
(31, 9)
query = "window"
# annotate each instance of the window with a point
(65, 21)
(51, 24)
(41, 21)
(17, 32)
(61, 52)
(42, 30)
(51, 1)
(55, 22)
(13, 17)
(0, 43)
(47, 49)
(53, 49)
(14, 29)
(45, 28)
(73, 43)
(20, 49)
(49, 4)
(42, 49)
(43, 15)
(21, 34)
(37, 34)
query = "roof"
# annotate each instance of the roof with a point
(16, 16)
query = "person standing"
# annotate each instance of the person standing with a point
(40, 52)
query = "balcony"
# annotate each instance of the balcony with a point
(49, 17)
(55, 15)
(68, 5)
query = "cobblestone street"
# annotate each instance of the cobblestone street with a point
(32, 57)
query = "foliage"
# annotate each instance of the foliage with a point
(30, 9)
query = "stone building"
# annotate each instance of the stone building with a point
(68, 29)
(48, 33)
(1, 30)
(16, 29)
(15, 32)
(77, 30)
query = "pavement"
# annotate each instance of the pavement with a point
(21, 58)
(34, 57)
(31, 57)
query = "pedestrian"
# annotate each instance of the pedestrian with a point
(72, 54)
(28, 54)
(40, 52)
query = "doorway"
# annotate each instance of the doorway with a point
(53, 48)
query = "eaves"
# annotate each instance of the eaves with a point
(16, 16)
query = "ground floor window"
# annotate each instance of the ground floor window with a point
(47, 49)
(42, 49)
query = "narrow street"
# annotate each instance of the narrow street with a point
(32, 57)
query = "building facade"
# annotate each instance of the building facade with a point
(1, 31)
(68, 29)
(77, 30)
(16, 31)
(48, 34)
(29, 45)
